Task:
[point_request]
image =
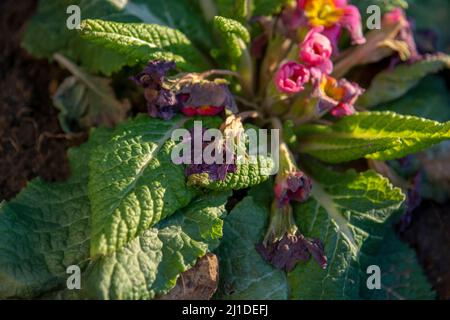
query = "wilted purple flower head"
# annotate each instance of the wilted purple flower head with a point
(207, 98)
(295, 186)
(291, 249)
(154, 74)
(215, 171)
(161, 102)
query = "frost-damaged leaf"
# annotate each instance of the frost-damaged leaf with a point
(247, 174)
(133, 182)
(138, 43)
(402, 277)
(47, 32)
(150, 264)
(234, 34)
(389, 85)
(243, 272)
(373, 135)
(430, 100)
(86, 101)
(45, 229)
(347, 212)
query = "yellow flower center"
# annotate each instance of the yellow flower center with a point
(330, 87)
(322, 13)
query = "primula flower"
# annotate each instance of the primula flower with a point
(285, 254)
(294, 186)
(338, 96)
(291, 77)
(315, 51)
(215, 171)
(334, 15)
(206, 98)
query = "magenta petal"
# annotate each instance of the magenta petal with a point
(351, 20)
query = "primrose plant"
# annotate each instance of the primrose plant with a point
(302, 222)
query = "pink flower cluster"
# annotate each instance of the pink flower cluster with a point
(315, 53)
(315, 66)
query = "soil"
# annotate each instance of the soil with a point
(32, 144)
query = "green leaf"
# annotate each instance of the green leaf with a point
(243, 272)
(402, 277)
(150, 264)
(347, 212)
(389, 85)
(435, 20)
(234, 34)
(47, 32)
(247, 175)
(45, 229)
(133, 182)
(86, 101)
(138, 43)
(430, 100)
(373, 135)
(243, 10)
(268, 7)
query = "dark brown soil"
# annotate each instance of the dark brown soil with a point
(32, 142)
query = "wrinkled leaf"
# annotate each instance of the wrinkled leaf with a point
(150, 264)
(138, 43)
(47, 32)
(371, 135)
(243, 272)
(45, 229)
(247, 175)
(133, 182)
(430, 100)
(86, 101)
(389, 85)
(402, 277)
(347, 212)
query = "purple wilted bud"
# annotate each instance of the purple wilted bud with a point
(294, 186)
(291, 249)
(215, 171)
(154, 74)
(207, 98)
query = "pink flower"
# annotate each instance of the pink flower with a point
(334, 15)
(315, 51)
(291, 77)
(338, 96)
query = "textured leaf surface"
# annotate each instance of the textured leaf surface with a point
(430, 100)
(243, 272)
(133, 182)
(234, 34)
(86, 101)
(138, 43)
(348, 212)
(402, 277)
(246, 175)
(45, 229)
(150, 264)
(47, 32)
(389, 85)
(373, 135)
